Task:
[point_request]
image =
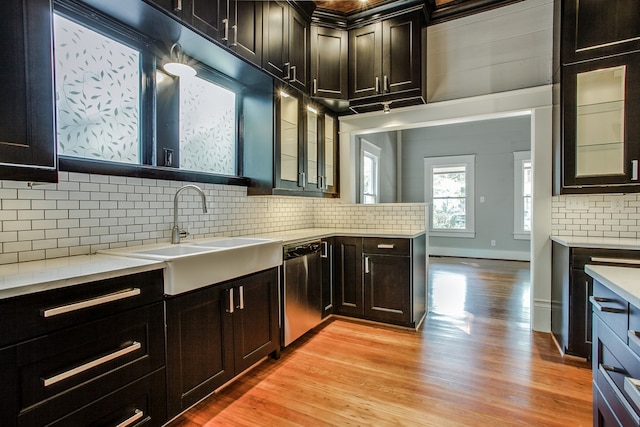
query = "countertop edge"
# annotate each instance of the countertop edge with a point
(597, 242)
(625, 281)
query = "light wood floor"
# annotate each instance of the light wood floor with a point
(475, 362)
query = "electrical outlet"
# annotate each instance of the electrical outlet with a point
(493, 243)
(578, 203)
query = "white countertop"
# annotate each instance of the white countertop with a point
(625, 281)
(598, 242)
(36, 276)
(293, 236)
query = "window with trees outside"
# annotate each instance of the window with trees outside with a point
(522, 200)
(449, 189)
(370, 176)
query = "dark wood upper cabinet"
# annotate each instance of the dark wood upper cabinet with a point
(174, 7)
(601, 133)
(365, 61)
(27, 112)
(210, 17)
(385, 59)
(329, 66)
(286, 44)
(246, 29)
(595, 28)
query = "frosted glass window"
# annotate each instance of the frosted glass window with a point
(288, 137)
(97, 95)
(312, 145)
(207, 127)
(329, 168)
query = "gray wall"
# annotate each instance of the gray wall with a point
(493, 142)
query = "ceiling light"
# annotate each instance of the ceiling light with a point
(385, 107)
(284, 94)
(176, 66)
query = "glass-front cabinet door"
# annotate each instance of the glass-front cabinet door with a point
(330, 155)
(312, 178)
(289, 168)
(601, 124)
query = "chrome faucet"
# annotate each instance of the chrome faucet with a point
(176, 233)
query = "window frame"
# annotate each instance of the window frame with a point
(519, 160)
(468, 161)
(367, 148)
(151, 54)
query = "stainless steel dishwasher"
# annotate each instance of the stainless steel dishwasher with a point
(301, 293)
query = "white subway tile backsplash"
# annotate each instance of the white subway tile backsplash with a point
(85, 213)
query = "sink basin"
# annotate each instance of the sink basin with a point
(230, 242)
(174, 251)
(195, 264)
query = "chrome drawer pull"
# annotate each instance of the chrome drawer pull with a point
(138, 414)
(595, 301)
(50, 312)
(97, 362)
(631, 387)
(366, 265)
(633, 337)
(611, 368)
(616, 260)
(241, 289)
(386, 246)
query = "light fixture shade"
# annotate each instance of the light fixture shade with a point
(176, 65)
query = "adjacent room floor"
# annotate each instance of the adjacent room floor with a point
(475, 362)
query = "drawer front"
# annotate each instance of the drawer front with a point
(633, 334)
(611, 308)
(44, 312)
(582, 256)
(602, 415)
(615, 362)
(63, 371)
(141, 403)
(385, 246)
(622, 412)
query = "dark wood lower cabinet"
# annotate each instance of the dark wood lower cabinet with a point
(216, 333)
(348, 276)
(327, 262)
(381, 279)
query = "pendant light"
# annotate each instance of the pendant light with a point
(176, 65)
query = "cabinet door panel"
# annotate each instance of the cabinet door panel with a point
(200, 346)
(365, 61)
(387, 282)
(594, 29)
(299, 51)
(276, 38)
(601, 133)
(27, 127)
(329, 63)
(210, 17)
(255, 320)
(348, 276)
(401, 54)
(246, 29)
(327, 277)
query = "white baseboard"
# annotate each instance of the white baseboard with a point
(480, 253)
(541, 319)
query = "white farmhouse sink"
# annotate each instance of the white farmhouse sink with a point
(195, 264)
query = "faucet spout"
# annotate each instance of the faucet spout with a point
(175, 230)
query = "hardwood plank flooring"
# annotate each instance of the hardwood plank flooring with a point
(475, 362)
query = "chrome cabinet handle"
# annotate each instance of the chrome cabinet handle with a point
(325, 250)
(92, 364)
(315, 86)
(377, 84)
(302, 179)
(616, 260)
(235, 36)
(225, 36)
(178, 7)
(386, 246)
(293, 69)
(595, 301)
(386, 83)
(287, 65)
(634, 170)
(231, 304)
(615, 369)
(241, 289)
(366, 265)
(55, 311)
(137, 414)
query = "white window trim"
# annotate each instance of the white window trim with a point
(367, 147)
(519, 157)
(469, 162)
